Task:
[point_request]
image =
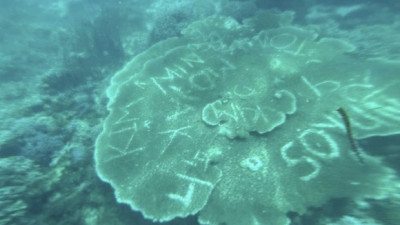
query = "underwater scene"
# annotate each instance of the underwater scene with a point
(199, 112)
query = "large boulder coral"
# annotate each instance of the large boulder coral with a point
(238, 123)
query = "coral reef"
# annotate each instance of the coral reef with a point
(237, 123)
(227, 113)
(19, 181)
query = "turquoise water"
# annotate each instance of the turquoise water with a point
(199, 112)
